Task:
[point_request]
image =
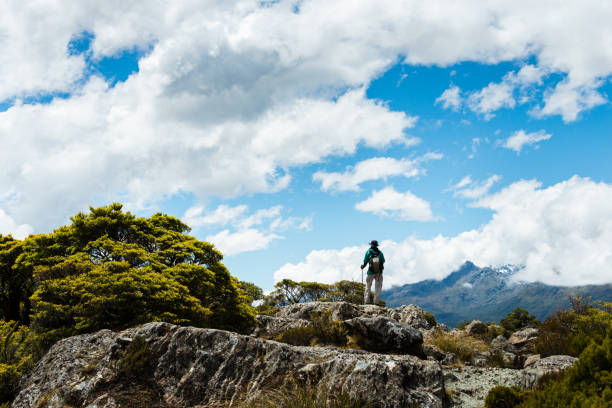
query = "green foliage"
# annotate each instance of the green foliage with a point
(465, 347)
(299, 336)
(288, 292)
(327, 330)
(136, 359)
(589, 382)
(503, 397)
(568, 332)
(16, 283)
(518, 319)
(323, 331)
(15, 357)
(430, 319)
(110, 269)
(251, 291)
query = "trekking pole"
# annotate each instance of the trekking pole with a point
(362, 287)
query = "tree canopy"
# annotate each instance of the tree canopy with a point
(111, 269)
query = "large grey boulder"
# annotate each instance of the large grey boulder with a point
(543, 366)
(522, 337)
(410, 314)
(383, 334)
(190, 367)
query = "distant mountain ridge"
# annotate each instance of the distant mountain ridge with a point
(487, 294)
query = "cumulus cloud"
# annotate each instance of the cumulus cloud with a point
(8, 226)
(520, 138)
(472, 189)
(372, 169)
(228, 89)
(450, 98)
(247, 232)
(491, 98)
(232, 243)
(403, 206)
(561, 234)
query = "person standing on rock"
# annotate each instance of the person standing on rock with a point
(376, 261)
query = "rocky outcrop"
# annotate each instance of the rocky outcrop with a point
(385, 335)
(469, 386)
(543, 366)
(409, 314)
(189, 367)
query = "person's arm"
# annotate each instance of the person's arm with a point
(366, 259)
(382, 259)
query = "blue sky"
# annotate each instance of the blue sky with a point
(290, 137)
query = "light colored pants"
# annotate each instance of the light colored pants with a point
(377, 288)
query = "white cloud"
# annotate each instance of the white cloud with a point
(247, 232)
(232, 243)
(222, 215)
(491, 98)
(520, 138)
(229, 88)
(8, 226)
(372, 169)
(561, 234)
(390, 203)
(468, 188)
(450, 98)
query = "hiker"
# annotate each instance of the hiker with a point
(376, 261)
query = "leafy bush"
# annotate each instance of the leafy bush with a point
(568, 332)
(327, 330)
(299, 336)
(430, 318)
(465, 347)
(136, 358)
(15, 357)
(503, 397)
(589, 382)
(518, 319)
(324, 331)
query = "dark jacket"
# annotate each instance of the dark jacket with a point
(373, 251)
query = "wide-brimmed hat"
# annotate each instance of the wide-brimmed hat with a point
(374, 243)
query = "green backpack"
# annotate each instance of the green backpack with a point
(375, 263)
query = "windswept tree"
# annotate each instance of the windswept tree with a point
(16, 285)
(111, 269)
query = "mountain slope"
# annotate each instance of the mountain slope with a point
(487, 294)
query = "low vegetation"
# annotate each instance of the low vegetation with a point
(324, 331)
(464, 346)
(585, 330)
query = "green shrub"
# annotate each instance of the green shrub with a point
(299, 336)
(518, 319)
(327, 330)
(567, 332)
(503, 397)
(465, 347)
(430, 319)
(136, 359)
(16, 357)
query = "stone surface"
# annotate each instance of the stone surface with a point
(521, 337)
(271, 326)
(543, 366)
(410, 314)
(531, 360)
(469, 386)
(384, 334)
(502, 344)
(476, 327)
(191, 366)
